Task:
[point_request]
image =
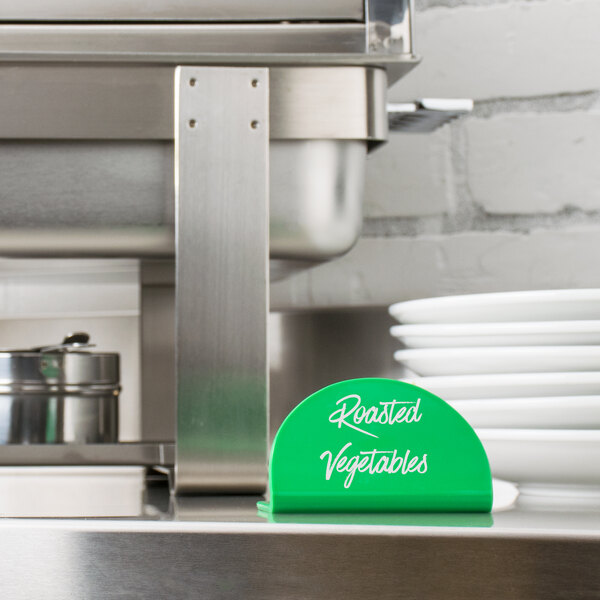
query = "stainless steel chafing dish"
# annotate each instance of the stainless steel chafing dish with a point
(204, 140)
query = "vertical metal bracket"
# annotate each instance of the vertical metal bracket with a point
(222, 243)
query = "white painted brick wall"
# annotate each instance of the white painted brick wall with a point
(534, 163)
(410, 176)
(507, 198)
(383, 271)
(509, 49)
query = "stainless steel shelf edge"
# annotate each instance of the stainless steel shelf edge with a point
(156, 559)
(152, 41)
(221, 297)
(182, 10)
(148, 454)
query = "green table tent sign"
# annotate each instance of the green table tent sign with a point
(377, 445)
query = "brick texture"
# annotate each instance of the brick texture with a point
(534, 163)
(410, 176)
(386, 270)
(507, 198)
(509, 49)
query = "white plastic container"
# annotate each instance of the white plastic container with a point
(71, 491)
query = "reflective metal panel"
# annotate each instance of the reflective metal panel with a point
(180, 10)
(328, 103)
(86, 102)
(185, 43)
(59, 418)
(87, 198)
(221, 188)
(317, 191)
(389, 26)
(125, 102)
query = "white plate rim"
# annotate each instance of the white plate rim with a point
(492, 328)
(549, 412)
(534, 399)
(496, 298)
(510, 385)
(559, 436)
(510, 378)
(499, 351)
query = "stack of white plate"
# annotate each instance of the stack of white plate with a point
(524, 369)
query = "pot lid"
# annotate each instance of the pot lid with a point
(63, 364)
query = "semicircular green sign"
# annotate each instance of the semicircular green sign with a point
(377, 445)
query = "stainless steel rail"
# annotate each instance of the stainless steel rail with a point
(182, 10)
(146, 454)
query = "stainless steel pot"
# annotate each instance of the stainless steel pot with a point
(59, 394)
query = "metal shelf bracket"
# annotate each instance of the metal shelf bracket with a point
(221, 185)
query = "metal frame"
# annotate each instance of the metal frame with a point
(341, 32)
(114, 81)
(221, 182)
(182, 10)
(61, 101)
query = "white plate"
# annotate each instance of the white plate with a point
(504, 493)
(561, 412)
(543, 305)
(544, 456)
(511, 385)
(507, 359)
(532, 333)
(559, 497)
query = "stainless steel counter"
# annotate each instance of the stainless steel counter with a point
(221, 548)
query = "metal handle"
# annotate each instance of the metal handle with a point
(73, 341)
(427, 114)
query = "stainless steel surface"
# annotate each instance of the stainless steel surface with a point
(128, 453)
(227, 551)
(81, 242)
(184, 43)
(116, 198)
(73, 341)
(59, 394)
(327, 89)
(126, 102)
(57, 418)
(307, 351)
(389, 26)
(158, 352)
(328, 103)
(312, 349)
(426, 115)
(222, 185)
(317, 189)
(380, 29)
(181, 10)
(27, 371)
